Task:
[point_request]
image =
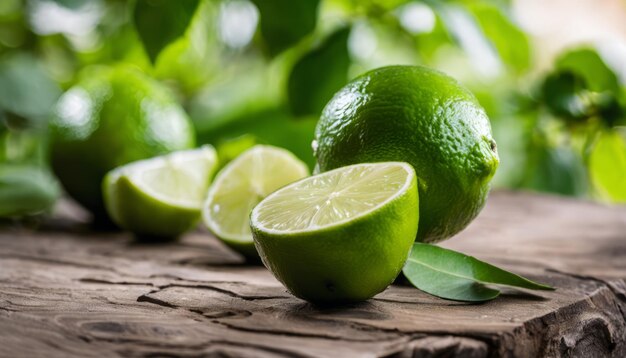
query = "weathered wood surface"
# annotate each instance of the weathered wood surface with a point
(65, 291)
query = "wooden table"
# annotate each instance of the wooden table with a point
(66, 291)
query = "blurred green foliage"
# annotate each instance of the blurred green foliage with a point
(318, 74)
(25, 190)
(285, 22)
(160, 22)
(260, 71)
(27, 95)
(607, 163)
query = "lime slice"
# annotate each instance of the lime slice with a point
(340, 236)
(242, 183)
(160, 197)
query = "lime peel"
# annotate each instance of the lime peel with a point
(162, 196)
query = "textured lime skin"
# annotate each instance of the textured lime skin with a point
(146, 217)
(350, 262)
(113, 116)
(423, 117)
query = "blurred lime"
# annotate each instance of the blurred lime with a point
(340, 236)
(160, 197)
(423, 117)
(241, 185)
(110, 118)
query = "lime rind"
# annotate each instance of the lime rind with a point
(141, 214)
(178, 179)
(333, 198)
(137, 201)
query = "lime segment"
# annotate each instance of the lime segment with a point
(331, 199)
(240, 185)
(180, 179)
(162, 196)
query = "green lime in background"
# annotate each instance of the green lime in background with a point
(111, 117)
(423, 117)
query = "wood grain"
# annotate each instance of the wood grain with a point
(66, 291)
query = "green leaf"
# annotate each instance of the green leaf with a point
(603, 95)
(72, 4)
(23, 147)
(3, 125)
(557, 170)
(454, 276)
(586, 63)
(270, 126)
(191, 61)
(566, 95)
(285, 22)
(509, 40)
(320, 73)
(27, 93)
(26, 190)
(583, 86)
(160, 22)
(607, 166)
(381, 5)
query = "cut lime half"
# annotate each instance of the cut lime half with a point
(162, 196)
(340, 236)
(240, 185)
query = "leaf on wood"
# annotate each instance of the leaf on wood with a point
(454, 276)
(160, 22)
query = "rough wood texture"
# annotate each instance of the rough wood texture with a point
(65, 291)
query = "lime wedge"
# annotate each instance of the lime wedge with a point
(160, 197)
(240, 185)
(340, 236)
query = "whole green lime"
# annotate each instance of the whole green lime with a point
(111, 117)
(423, 117)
